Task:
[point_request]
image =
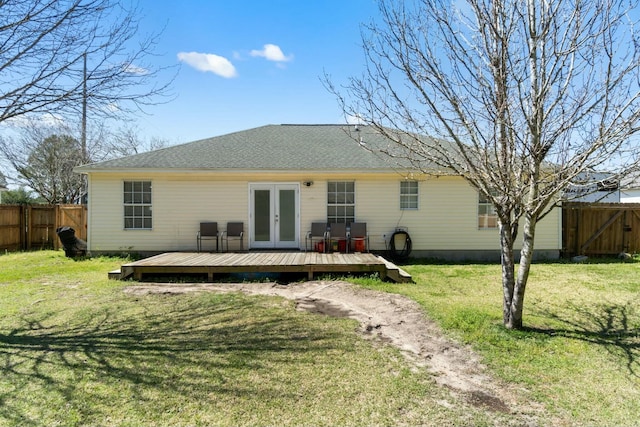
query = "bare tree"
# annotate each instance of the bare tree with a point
(58, 56)
(520, 98)
(126, 141)
(65, 61)
(43, 157)
(48, 168)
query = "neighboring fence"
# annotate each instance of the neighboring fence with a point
(25, 227)
(600, 229)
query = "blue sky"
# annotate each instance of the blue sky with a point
(248, 63)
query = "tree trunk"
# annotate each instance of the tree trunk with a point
(508, 270)
(513, 315)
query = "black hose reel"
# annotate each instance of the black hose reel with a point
(397, 252)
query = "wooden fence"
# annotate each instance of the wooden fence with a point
(34, 226)
(600, 229)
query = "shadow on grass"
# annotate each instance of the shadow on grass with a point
(180, 348)
(613, 326)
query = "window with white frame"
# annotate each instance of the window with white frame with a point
(408, 195)
(341, 202)
(137, 205)
(487, 217)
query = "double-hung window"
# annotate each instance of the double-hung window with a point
(137, 205)
(408, 195)
(341, 202)
(487, 217)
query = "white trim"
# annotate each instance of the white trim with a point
(124, 205)
(218, 171)
(345, 204)
(417, 195)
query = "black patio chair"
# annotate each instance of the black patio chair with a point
(338, 235)
(208, 231)
(318, 232)
(358, 237)
(235, 231)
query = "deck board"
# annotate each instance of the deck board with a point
(260, 262)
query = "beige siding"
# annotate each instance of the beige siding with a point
(313, 207)
(178, 208)
(446, 218)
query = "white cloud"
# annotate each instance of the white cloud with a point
(39, 120)
(272, 52)
(209, 62)
(134, 69)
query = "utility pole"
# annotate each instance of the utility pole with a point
(83, 136)
(84, 111)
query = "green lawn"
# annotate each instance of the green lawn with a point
(580, 353)
(77, 350)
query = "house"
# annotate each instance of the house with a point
(594, 187)
(278, 180)
(630, 189)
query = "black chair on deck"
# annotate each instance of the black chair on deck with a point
(338, 234)
(358, 237)
(235, 231)
(208, 231)
(318, 232)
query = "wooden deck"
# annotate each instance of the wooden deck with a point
(211, 264)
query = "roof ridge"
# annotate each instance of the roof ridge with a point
(315, 124)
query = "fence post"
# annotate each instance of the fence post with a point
(56, 241)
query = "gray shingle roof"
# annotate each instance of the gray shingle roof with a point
(271, 147)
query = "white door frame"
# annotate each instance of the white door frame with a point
(274, 241)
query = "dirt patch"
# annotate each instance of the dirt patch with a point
(390, 318)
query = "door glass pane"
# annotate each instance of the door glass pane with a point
(287, 215)
(262, 215)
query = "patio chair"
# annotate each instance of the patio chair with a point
(208, 231)
(338, 237)
(358, 237)
(235, 231)
(318, 232)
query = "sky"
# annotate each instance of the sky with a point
(248, 63)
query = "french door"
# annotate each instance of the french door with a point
(274, 216)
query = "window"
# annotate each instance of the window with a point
(408, 195)
(341, 202)
(487, 217)
(137, 205)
